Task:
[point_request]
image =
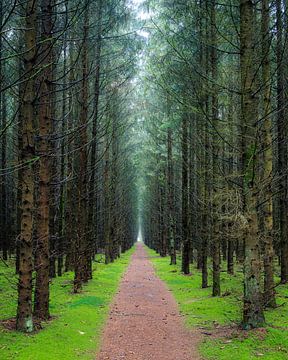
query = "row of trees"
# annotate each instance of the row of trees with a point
(217, 116)
(67, 173)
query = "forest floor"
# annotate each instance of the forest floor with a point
(157, 313)
(145, 323)
(218, 318)
(75, 329)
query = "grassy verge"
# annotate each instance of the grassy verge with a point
(76, 330)
(202, 310)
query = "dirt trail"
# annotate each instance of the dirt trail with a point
(144, 322)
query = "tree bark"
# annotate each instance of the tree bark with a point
(81, 237)
(253, 315)
(216, 207)
(185, 232)
(266, 137)
(4, 240)
(282, 145)
(61, 220)
(107, 196)
(27, 157)
(93, 200)
(170, 197)
(41, 299)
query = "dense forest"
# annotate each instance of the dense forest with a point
(216, 179)
(67, 178)
(162, 121)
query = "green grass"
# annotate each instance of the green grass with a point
(204, 311)
(76, 329)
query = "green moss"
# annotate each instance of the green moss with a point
(77, 328)
(89, 300)
(202, 310)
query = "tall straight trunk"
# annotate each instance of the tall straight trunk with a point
(21, 90)
(253, 315)
(195, 205)
(53, 156)
(240, 168)
(170, 199)
(230, 168)
(191, 189)
(206, 223)
(215, 149)
(6, 246)
(41, 298)
(159, 215)
(53, 190)
(93, 201)
(114, 184)
(81, 274)
(205, 214)
(163, 221)
(61, 221)
(4, 243)
(107, 240)
(266, 136)
(282, 145)
(70, 240)
(185, 234)
(27, 157)
(284, 260)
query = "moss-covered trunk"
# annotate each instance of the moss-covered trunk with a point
(253, 315)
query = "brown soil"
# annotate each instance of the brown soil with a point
(10, 324)
(144, 322)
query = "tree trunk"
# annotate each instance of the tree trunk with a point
(216, 207)
(70, 214)
(93, 201)
(41, 299)
(230, 257)
(266, 137)
(81, 240)
(253, 315)
(27, 158)
(4, 243)
(170, 198)
(282, 145)
(107, 219)
(185, 235)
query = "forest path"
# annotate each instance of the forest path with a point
(144, 322)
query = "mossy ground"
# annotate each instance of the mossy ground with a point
(202, 310)
(75, 331)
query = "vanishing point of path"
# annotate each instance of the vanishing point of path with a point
(144, 322)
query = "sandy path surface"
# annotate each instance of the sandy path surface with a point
(144, 322)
